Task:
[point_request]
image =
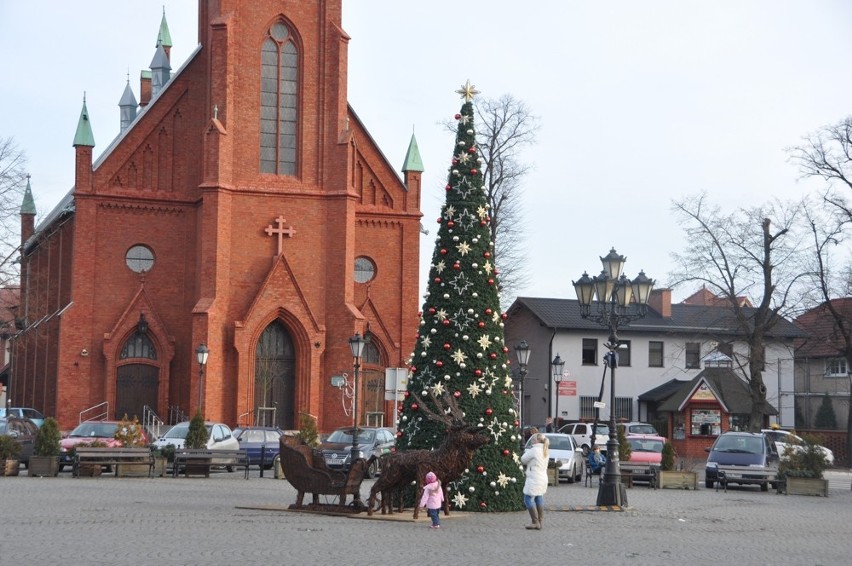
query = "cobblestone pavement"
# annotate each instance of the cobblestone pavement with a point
(228, 520)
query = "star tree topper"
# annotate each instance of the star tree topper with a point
(467, 91)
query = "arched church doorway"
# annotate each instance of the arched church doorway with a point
(373, 385)
(275, 378)
(137, 380)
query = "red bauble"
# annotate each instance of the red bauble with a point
(488, 312)
(480, 469)
(439, 363)
(437, 280)
(456, 394)
(483, 504)
(446, 322)
(477, 373)
(414, 406)
(443, 251)
(399, 434)
(456, 266)
(450, 224)
(517, 423)
(447, 346)
(432, 310)
(407, 394)
(483, 222)
(486, 254)
(488, 411)
(505, 349)
(458, 116)
(472, 150)
(440, 220)
(504, 316)
(491, 282)
(448, 187)
(473, 171)
(455, 162)
(492, 355)
(506, 452)
(481, 324)
(412, 369)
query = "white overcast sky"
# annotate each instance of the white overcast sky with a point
(641, 102)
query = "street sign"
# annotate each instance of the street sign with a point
(599, 405)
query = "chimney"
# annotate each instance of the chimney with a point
(661, 301)
(144, 88)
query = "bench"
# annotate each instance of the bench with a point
(198, 461)
(745, 475)
(307, 472)
(98, 456)
(631, 472)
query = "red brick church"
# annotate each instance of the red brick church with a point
(242, 206)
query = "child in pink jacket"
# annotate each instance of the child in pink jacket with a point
(433, 497)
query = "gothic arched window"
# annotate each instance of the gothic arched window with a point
(138, 346)
(279, 82)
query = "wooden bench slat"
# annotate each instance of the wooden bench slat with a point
(105, 456)
(235, 458)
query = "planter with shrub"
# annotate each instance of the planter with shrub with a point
(801, 469)
(45, 459)
(10, 451)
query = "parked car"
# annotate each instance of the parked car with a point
(372, 441)
(23, 413)
(23, 431)
(784, 439)
(261, 443)
(563, 448)
(86, 433)
(582, 433)
(748, 452)
(639, 428)
(646, 452)
(219, 436)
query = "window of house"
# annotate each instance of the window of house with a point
(624, 353)
(624, 408)
(587, 407)
(655, 354)
(279, 86)
(706, 422)
(835, 367)
(590, 351)
(693, 355)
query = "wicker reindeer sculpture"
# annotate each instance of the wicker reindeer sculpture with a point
(448, 461)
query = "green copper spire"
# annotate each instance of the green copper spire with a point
(28, 206)
(84, 134)
(164, 38)
(412, 157)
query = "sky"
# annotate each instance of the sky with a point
(640, 103)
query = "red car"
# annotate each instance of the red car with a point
(86, 433)
(646, 450)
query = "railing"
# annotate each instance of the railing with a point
(99, 412)
(151, 422)
(176, 415)
(241, 422)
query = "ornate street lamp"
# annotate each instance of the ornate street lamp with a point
(557, 367)
(522, 350)
(201, 354)
(619, 301)
(356, 345)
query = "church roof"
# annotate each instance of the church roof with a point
(84, 135)
(128, 98)
(412, 157)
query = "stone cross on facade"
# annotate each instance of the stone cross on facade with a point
(281, 231)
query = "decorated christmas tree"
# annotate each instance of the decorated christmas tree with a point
(460, 349)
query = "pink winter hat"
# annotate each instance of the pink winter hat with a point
(431, 477)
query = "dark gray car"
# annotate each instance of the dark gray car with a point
(372, 441)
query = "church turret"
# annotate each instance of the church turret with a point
(28, 213)
(164, 38)
(128, 105)
(412, 171)
(160, 70)
(84, 141)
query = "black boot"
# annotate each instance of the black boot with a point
(534, 516)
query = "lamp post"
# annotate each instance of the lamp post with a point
(201, 354)
(356, 344)
(522, 350)
(557, 366)
(619, 301)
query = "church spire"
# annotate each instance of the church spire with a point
(127, 106)
(160, 70)
(412, 157)
(84, 136)
(28, 205)
(164, 38)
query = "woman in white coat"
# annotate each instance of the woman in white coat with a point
(535, 486)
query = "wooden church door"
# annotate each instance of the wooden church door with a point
(275, 378)
(136, 383)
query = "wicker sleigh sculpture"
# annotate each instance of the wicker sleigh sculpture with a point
(400, 470)
(306, 471)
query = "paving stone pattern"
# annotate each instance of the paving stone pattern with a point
(228, 520)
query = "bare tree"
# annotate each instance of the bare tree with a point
(505, 127)
(827, 154)
(12, 183)
(740, 255)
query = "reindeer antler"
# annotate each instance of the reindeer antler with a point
(452, 417)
